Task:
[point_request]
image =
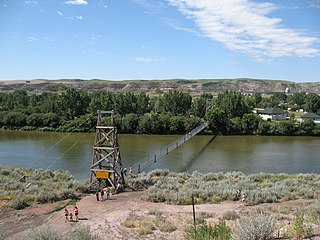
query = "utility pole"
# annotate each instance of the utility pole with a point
(106, 166)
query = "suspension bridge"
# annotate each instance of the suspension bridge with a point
(157, 155)
(106, 160)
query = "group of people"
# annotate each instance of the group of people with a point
(100, 195)
(242, 198)
(69, 216)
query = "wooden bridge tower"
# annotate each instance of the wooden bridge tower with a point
(106, 164)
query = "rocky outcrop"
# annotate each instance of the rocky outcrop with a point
(244, 85)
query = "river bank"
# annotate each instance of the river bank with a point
(109, 219)
(139, 214)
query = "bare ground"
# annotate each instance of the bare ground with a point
(106, 218)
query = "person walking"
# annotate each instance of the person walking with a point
(244, 199)
(66, 215)
(102, 195)
(97, 195)
(76, 212)
(108, 193)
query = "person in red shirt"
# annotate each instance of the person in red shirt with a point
(76, 212)
(66, 214)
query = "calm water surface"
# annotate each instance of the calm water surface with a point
(249, 154)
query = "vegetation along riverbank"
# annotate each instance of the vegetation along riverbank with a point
(173, 112)
(287, 206)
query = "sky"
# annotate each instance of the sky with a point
(160, 39)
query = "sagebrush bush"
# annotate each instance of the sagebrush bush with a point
(259, 227)
(44, 186)
(164, 225)
(145, 227)
(20, 202)
(178, 188)
(230, 215)
(44, 234)
(201, 232)
(300, 230)
(313, 212)
(132, 221)
(221, 231)
(82, 233)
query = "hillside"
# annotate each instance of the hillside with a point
(198, 86)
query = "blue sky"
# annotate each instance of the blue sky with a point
(160, 39)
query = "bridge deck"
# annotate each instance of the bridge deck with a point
(155, 156)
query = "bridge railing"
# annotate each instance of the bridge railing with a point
(157, 155)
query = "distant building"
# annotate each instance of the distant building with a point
(314, 117)
(274, 113)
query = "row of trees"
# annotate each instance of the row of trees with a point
(171, 113)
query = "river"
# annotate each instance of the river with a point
(249, 154)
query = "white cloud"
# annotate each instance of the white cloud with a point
(148, 59)
(77, 2)
(79, 17)
(32, 39)
(314, 3)
(243, 26)
(59, 13)
(30, 2)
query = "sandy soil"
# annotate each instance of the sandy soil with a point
(105, 218)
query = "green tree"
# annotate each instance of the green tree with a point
(312, 103)
(199, 105)
(73, 103)
(232, 104)
(218, 121)
(143, 103)
(307, 127)
(177, 125)
(250, 123)
(16, 119)
(100, 101)
(35, 119)
(175, 102)
(297, 98)
(130, 123)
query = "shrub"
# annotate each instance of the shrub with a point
(83, 233)
(230, 215)
(221, 231)
(132, 221)
(258, 227)
(47, 196)
(155, 212)
(145, 227)
(20, 202)
(313, 212)
(44, 234)
(201, 232)
(299, 229)
(164, 225)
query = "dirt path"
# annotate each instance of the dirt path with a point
(105, 218)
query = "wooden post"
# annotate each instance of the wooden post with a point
(194, 217)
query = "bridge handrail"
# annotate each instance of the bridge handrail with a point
(157, 155)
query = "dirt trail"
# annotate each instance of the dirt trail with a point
(105, 218)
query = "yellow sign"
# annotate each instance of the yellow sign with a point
(101, 174)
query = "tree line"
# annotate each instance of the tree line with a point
(173, 112)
